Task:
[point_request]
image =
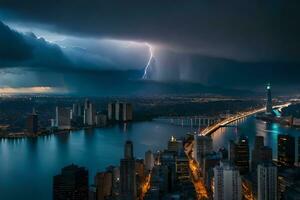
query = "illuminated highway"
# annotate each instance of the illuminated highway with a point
(201, 191)
(209, 130)
(145, 186)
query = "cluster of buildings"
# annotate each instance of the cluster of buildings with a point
(236, 174)
(85, 115)
(160, 175)
(81, 115)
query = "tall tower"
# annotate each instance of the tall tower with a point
(269, 100)
(127, 174)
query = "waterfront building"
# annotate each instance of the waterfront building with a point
(267, 181)
(100, 120)
(63, 118)
(111, 111)
(269, 106)
(149, 160)
(89, 113)
(72, 183)
(227, 182)
(286, 150)
(103, 183)
(128, 174)
(203, 145)
(123, 112)
(32, 123)
(239, 154)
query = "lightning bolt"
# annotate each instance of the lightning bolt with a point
(149, 61)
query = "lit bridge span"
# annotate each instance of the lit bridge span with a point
(210, 129)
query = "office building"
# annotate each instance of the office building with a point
(203, 145)
(32, 123)
(286, 150)
(210, 161)
(227, 183)
(239, 154)
(103, 183)
(260, 153)
(267, 181)
(89, 113)
(123, 112)
(63, 118)
(269, 107)
(149, 160)
(71, 184)
(128, 189)
(175, 146)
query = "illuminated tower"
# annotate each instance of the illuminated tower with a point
(269, 100)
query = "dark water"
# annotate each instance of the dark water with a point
(27, 165)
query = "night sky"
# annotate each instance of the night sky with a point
(103, 47)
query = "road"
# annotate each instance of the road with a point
(201, 191)
(209, 130)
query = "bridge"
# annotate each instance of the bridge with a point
(209, 130)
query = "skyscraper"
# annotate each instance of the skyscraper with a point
(149, 160)
(239, 154)
(227, 183)
(32, 123)
(260, 153)
(103, 182)
(269, 106)
(286, 150)
(71, 184)
(127, 173)
(89, 113)
(175, 145)
(203, 145)
(63, 118)
(267, 181)
(111, 111)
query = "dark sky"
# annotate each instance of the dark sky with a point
(102, 47)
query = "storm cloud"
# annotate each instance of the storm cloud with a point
(238, 44)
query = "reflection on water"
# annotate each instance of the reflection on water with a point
(251, 127)
(27, 165)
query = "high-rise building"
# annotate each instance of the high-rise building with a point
(286, 150)
(260, 153)
(297, 157)
(203, 145)
(123, 111)
(239, 154)
(32, 123)
(103, 182)
(89, 113)
(63, 118)
(111, 111)
(227, 183)
(128, 174)
(71, 184)
(149, 160)
(269, 107)
(175, 145)
(267, 181)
